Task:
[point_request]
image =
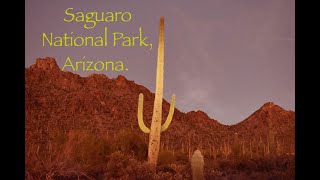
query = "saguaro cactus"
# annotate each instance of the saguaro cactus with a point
(156, 128)
(197, 164)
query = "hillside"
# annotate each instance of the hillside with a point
(58, 102)
(68, 101)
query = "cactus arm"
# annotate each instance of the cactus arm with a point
(170, 115)
(142, 126)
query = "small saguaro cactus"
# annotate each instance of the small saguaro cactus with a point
(156, 128)
(197, 164)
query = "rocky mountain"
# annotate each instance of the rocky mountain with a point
(269, 115)
(57, 102)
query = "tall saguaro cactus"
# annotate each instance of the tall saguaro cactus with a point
(156, 128)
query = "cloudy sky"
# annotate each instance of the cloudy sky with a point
(224, 57)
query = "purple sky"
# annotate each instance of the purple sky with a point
(224, 57)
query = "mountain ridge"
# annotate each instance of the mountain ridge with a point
(49, 64)
(58, 102)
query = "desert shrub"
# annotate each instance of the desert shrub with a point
(77, 153)
(34, 167)
(87, 150)
(131, 143)
(263, 164)
(225, 164)
(143, 171)
(214, 174)
(219, 155)
(180, 157)
(122, 166)
(163, 175)
(165, 168)
(183, 171)
(211, 163)
(246, 165)
(165, 158)
(116, 164)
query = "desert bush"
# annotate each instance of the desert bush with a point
(86, 150)
(180, 157)
(131, 143)
(166, 158)
(143, 171)
(163, 175)
(183, 171)
(116, 164)
(165, 168)
(245, 165)
(75, 154)
(211, 163)
(224, 164)
(122, 166)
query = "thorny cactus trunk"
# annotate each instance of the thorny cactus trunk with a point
(197, 164)
(156, 128)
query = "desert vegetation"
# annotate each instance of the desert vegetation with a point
(86, 155)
